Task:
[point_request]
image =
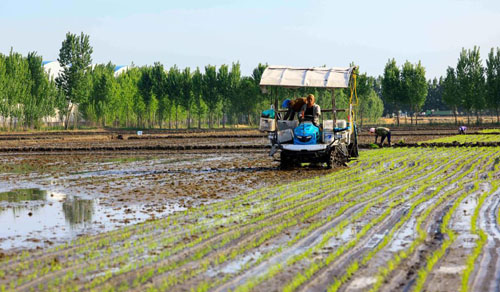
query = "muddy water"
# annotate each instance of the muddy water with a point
(50, 199)
(36, 218)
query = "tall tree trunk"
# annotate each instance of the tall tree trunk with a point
(223, 119)
(498, 116)
(455, 114)
(477, 117)
(189, 118)
(66, 120)
(176, 118)
(199, 120)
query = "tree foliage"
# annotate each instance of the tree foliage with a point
(75, 57)
(493, 81)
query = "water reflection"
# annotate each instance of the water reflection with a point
(19, 195)
(20, 201)
(77, 211)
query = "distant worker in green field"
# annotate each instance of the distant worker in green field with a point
(293, 107)
(382, 132)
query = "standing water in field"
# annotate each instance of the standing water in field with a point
(35, 218)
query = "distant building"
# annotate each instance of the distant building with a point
(54, 69)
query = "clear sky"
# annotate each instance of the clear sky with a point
(278, 32)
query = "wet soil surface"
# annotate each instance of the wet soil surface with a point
(49, 199)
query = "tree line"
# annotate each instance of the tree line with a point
(156, 96)
(143, 96)
(469, 87)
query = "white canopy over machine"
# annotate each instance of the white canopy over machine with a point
(292, 77)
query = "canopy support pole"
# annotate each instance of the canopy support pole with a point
(334, 109)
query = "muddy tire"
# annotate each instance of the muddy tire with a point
(285, 161)
(353, 147)
(338, 157)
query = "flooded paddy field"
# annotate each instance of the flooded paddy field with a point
(396, 219)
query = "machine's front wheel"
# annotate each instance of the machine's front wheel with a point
(338, 157)
(353, 147)
(285, 161)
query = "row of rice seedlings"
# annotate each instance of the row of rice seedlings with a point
(451, 237)
(466, 139)
(273, 270)
(496, 131)
(471, 259)
(314, 267)
(421, 233)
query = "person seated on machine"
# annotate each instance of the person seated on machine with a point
(293, 106)
(310, 111)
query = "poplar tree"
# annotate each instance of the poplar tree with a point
(210, 92)
(197, 82)
(391, 86)
(413, 87)
(187, 93)
(75, 57)
(493, 81)
(450, 92)
(224, 90)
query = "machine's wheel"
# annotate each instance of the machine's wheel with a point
(285, 161)
(338, 157)
(353, 147)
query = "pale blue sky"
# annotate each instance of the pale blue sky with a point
(295, 33)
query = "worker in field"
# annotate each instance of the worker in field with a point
(383, 133)
(293, 107)
(462, 129)
(310, 111)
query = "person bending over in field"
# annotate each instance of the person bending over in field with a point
(462, 129)
(293, 106)
(310, 111)
(383, 133)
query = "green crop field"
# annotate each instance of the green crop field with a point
(394, 218)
